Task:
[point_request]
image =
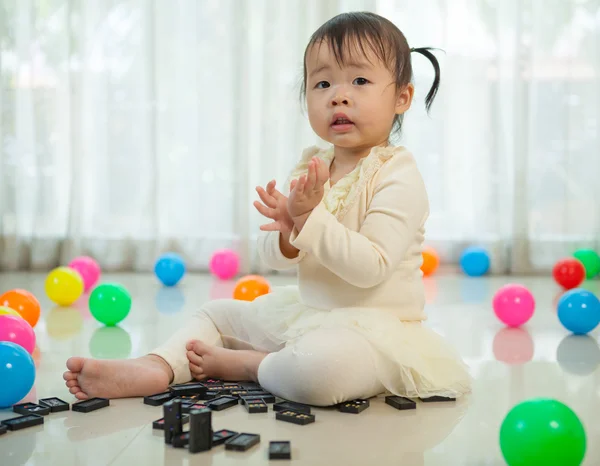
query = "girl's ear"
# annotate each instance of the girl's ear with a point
(404, 98)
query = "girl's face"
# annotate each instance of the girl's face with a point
(352, 105)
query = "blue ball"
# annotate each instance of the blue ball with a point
(169, 268)
(17, 373)
(475, 261)
(579, 311)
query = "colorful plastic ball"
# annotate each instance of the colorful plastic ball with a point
(169, 269)
(568, 273)
(513, 304)
(475, 261)
(542, 431)
(110, 303)
(224, 264)
(431, 261)
(17, 330)
(579, 311)
(64, 286)
(24, 302)
(17, 371)
(250, 287)
(7, 311)
(89, 270)
(590, 260)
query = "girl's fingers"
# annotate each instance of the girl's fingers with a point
(293, 185)
(270, 186)
(264, 210)
(301, 184)
(311, 179)
(322, 173)
(266, 198)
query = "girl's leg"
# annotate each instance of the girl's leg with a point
(167, 364)
(323, 368)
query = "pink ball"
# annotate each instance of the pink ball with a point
(224, 264)
(89, 270)
(513, 305)
(18, 331)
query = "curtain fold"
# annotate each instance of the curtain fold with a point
(132, 127)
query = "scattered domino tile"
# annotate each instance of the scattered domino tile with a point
(399, 402)
(280, 450)
(266, 396)
(201, 432)
(3, 429)
(256, 406)
(56, 405)
(222, 402)
(432, 399)
(295, 417)
(221, 436)
(31, 408)
(210, 395)
(290, 405)
(159, 424)
(250, 386)
(87, 406)
(354, 406)
(239, 393)
(22, 422)
(188, 389)
(242, 442)
(159, 398)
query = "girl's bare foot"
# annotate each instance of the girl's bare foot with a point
(222, 363)
(123, 378)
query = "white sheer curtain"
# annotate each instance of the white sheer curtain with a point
(132, 127)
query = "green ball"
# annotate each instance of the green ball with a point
(110, 303)
(542, 431)
(590, 260)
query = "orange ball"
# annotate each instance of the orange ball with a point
(250, 287)
(431, 261)
(24, 302)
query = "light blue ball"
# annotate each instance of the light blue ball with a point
(579, 311)
(17, 373)
(169, 268)
(475, 261)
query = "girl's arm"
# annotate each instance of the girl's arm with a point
(275, 250)
(366, 258)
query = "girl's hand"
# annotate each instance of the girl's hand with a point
(307, 192)
(275, 208)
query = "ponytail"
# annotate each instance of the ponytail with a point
(426, 51)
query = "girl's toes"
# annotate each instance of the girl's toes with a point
(193, 358)
(195, 369)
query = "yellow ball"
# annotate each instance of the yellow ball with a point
(8, 311)
(64, 286)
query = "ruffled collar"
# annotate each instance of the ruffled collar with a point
(339, 198)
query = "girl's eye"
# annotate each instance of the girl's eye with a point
(322, 85)
(360, 81)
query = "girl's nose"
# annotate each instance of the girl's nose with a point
(339, 100)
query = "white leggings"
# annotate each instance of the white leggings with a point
(322, 368)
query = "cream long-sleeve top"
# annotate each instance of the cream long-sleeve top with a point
(361, 246)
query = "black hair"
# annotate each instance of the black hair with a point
(348, 33)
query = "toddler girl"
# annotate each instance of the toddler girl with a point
(353, 225)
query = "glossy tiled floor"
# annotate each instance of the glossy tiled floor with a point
(508, 366)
